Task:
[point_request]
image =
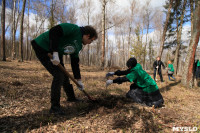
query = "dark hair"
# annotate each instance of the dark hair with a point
(132, 62)
(89, 30)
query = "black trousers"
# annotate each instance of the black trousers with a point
(59, 79)
(159, 72)
(139, 96)
(197, 73)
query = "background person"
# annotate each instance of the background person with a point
(170, 71)
(157, 68)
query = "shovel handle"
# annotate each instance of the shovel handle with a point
(67, 73)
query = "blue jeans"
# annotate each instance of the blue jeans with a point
(171, 75)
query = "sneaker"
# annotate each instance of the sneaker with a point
(56, 111)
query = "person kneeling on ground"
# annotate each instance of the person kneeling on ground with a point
(144, 89)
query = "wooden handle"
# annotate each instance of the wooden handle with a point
(66, 73)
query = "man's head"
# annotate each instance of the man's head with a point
(158, 58)
(132, 62)
(89, 34)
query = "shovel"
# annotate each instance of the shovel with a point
(156, 74)
(67, 74)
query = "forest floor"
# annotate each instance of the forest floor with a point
(25, 103)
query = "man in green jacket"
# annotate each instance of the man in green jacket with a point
(144, 89)
(63, 39)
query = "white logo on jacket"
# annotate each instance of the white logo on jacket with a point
(69, 49)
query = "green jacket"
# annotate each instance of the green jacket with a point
(142, 79)
(71, 37)
(198, 63)
(171, 68)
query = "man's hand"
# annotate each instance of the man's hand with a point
(55, 60)
(81, 84)
(109, 82)
(110, 74)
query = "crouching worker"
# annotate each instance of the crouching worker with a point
(144, 89)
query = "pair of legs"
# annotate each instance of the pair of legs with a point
(139, 96)
(171, 75)
(159, 72)
(197, 73)
(59, 79)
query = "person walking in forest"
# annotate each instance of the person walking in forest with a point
(157, 68)
(170, 70)
(63, 39)
(144, 89)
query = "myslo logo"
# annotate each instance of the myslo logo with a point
(184, 129)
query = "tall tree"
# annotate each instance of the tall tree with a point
(52, 21)
(138, 48)
(133, 9)
(27, 33)
(147, 18)
(192, 14)
(151, 53)
(3, 30)
(87, 8)
(179, 20)
(187, 78)
(13, 30)
(72, 7)
(165, 28)
(21, 30)
(104, 2)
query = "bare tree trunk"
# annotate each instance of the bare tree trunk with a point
(129, 40)
(165, 28)
(21, 30)
(111, 56)
(27, 36)
(192, 14)
(88, 55)
(3, 30)
(123, 46)
(179, 30)
(31, 52)
(88, 17)
(187, 78)
(176, 57)
(13, 31)
(147, 20)
(16, 55)
(132, 8)
(103, 35)
(144, 58)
